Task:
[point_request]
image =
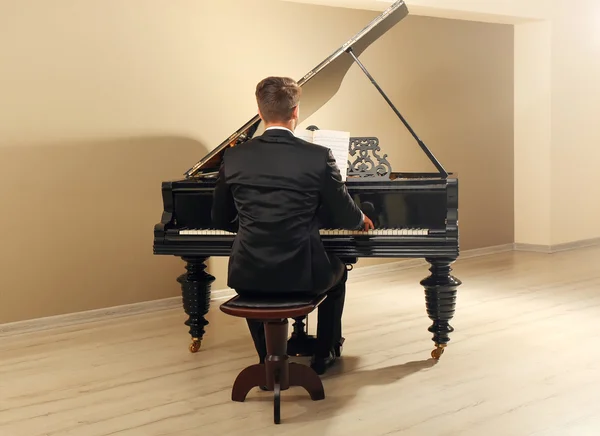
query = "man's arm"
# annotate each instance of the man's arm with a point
(338, 202)
(223, 211)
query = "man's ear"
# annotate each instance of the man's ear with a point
(260, 115)
(296, 113)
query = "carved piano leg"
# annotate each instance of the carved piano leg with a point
(195, 290)
(440, 296)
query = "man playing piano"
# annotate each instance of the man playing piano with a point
(270, 190)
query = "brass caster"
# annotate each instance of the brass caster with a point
(194, 346)
(438, 351)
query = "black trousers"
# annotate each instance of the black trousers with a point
(329, 316)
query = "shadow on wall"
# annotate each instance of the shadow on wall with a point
(78, 221)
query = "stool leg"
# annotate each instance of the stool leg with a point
(276, 363)
(306, 377)
(276, 333)
(249, 378)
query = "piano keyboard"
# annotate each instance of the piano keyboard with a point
(323, 232)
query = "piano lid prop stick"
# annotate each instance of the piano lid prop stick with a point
(425, 149)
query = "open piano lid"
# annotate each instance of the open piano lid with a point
(318, 86)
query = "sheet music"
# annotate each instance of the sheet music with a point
(307, 135)
(339, 143)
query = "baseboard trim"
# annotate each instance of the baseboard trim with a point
(534, 248)
(557, 248)
(486, 251)
(88, 316)
(71, 319)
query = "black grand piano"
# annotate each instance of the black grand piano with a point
(415, 214)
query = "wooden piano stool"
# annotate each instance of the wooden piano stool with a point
(277, 374)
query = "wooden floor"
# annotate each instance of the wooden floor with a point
(524, 360)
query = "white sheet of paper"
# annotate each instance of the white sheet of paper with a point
(339, 143)
(307, 135)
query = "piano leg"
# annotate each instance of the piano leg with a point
(440, 296)
(195, 290)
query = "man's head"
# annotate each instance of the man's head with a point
(278, 99)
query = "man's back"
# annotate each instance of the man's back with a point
(278, 183)
(270, 190)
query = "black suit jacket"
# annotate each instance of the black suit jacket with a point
(270, 190)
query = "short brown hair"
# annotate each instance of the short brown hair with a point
(277, 97)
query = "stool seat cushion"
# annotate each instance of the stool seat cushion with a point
(272, 307)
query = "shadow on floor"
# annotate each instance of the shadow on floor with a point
(342, 383)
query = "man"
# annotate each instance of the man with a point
(270, 190)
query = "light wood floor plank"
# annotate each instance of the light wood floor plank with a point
(523, 360)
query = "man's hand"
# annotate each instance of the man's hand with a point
(368, 223)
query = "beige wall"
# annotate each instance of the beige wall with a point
(533, 133)
(558, 95)
(575, 127)
(102, 101)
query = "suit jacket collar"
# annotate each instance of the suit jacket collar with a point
(277, 134)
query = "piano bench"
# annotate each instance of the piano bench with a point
(277, 374)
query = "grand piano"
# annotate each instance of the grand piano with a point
(415, 214)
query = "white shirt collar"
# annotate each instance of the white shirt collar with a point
(280, 128)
